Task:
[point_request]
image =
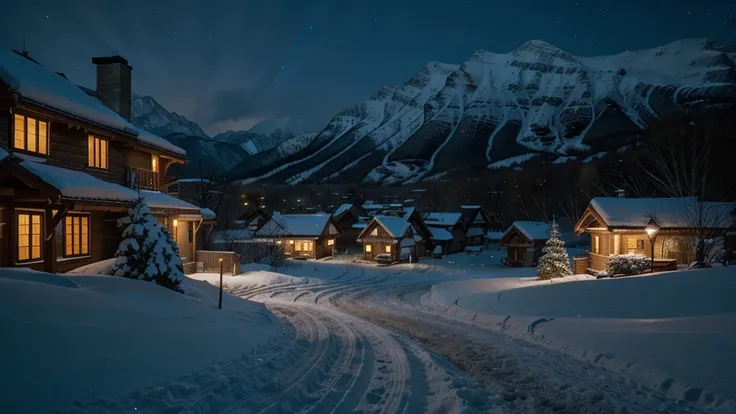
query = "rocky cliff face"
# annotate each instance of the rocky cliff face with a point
(148, 114)
(501, 110)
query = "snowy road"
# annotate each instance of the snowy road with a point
(359, 338)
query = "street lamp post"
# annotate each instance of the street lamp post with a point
(219, 303)
(652, 229)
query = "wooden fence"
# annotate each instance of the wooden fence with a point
(211, 261)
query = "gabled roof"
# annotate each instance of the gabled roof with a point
(532, 230)
(668, 213)
(440, 234)
(342, 209)
(307, 225)
(474, 231)
(443, 219)
(396, 227)
(39, 86)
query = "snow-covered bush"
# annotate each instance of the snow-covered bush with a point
(627, 264)
(554, 263)
(147, 252)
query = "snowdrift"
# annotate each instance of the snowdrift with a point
(675, 331)
(85, 337)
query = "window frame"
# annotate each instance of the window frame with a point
(96, 155)
(30, 213)
(387, 248)
(369, 248)
(37, 121)
(331, 242)
(155, 163)
(72, 216)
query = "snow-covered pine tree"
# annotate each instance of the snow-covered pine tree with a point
(148, 251)
(554, 263)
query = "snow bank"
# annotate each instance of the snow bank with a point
(674, 331)
(81, 338)
(258, 278)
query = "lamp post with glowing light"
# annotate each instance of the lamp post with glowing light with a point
(652, 229)
(219, 303)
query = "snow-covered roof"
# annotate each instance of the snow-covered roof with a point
(407, 242)
(207, 214)
(408, 212)
(395, 226)
(494, 235)
(474, 231)
(473, 248)
(38, 85)
(668, 212)
(360, 225)
(311, 225)
(343, 208)
(76, 185)
(533, 230)
(437, 249)
(157, 199)
(470, 207)
(439, 233)
(442, 218)
(371, 206)
(156, 141)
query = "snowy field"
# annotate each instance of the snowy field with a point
(76, 339)
(460, 334)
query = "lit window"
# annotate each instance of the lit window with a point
(30, 134)
(307, 246)
(388, 249)
(374, 232)
(597, 244)
(298, 247)
(154, 163)
(368, 248)
(29, 236)
(331, 242)
(96, 152)
(76, 235)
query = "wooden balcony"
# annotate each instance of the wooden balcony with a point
(143, 179)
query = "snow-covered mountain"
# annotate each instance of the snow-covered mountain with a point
(148, 114)
(265, 135)
(498, 110)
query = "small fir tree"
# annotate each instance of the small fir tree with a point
(148, 252)
(554, 263)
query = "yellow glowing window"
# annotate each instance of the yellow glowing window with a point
(30, 134)
(388, 249)
(368, 248)
(154, 163)
(298, 247)
(374, 232)
(331, 242)
(96, 152)
(29, 236)
(596, 244)
(76, 235)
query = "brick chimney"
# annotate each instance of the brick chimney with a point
(113, 83)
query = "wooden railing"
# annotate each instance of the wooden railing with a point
(211, 261)
(143, 179)
(597, 261)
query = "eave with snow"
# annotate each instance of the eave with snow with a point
(523, 241)
(617, 225)
(393, 237)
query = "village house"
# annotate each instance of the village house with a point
(71, 164)
(346, 217)
(253, 219)
(620, 225)
(392, 237)
(304, 236)
(524, 241)
(461, 231)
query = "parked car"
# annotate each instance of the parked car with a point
(384, 259)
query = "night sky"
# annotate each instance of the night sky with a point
(229, 64)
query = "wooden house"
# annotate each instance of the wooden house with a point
(524, 241)
(254, 219)
(617, 226)
(391, 236)
(346, 217)
(71, 164)
(476, 222)
(307, 236)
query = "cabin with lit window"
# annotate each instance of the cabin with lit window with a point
(71, 164)
(302, 236)
(524, 241)
(346, 216)
(389, 239)
(620, 225)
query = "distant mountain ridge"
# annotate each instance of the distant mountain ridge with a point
(148, 114)
(266, 134)
(503, 110)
